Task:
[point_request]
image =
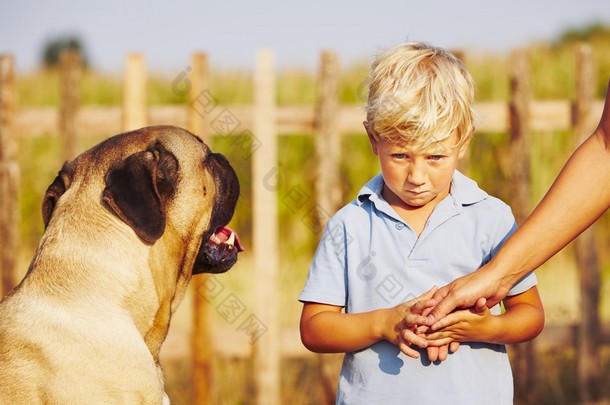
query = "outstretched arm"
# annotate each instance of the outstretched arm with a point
(577, 198)
(325, 329)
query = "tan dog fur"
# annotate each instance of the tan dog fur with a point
(86, 324)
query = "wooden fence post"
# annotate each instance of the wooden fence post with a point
(520, 179)
(328, 185)
(265, 180)
(519, 107)
(589, 366)
(9, 177)
(134, 93)
(69, 77)
(198, 121)
(328, 139)
(201, 335)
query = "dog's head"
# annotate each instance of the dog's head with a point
(162, 182)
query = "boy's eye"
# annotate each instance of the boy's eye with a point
(436, 157)
(399, 156)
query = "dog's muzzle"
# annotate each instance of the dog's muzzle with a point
(219, 252)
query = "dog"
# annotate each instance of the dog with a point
(127, 223)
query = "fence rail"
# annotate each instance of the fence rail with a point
(549, 115)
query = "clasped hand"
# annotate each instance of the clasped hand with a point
(461, 325)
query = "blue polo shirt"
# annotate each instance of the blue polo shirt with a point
(369, 258)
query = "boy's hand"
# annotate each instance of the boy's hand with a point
(440, 353)
(460, 326)
(412, 314)
(437, 350)
(435, 353)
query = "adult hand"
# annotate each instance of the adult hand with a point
(441, 343)
(478, 288)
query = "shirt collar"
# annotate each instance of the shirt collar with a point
(464, 190)
(371, 190)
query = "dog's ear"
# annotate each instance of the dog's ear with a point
(54, 191)
(139, 188)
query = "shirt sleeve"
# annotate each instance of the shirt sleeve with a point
(326, 281)
(507, 227)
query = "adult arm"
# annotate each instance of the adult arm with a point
(577, 198)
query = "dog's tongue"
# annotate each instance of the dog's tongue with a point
(224, 234)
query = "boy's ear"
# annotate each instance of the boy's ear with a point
(372, 139)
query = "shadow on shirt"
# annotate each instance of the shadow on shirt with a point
(391, 360)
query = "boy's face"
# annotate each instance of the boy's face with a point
(416, 177)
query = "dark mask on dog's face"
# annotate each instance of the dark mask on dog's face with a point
(218, 252)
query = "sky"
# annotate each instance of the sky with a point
(232, 31)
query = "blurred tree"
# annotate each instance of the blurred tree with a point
(592, 32)
(53, 47)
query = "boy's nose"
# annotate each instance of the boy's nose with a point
(416, 174)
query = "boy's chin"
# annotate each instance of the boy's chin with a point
(414, 204)
(420, 202)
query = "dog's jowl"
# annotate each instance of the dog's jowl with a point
(127, 223)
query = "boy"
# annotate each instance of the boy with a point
(418, 224)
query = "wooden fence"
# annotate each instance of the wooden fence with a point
(327, 120)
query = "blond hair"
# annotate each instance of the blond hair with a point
(420, 93)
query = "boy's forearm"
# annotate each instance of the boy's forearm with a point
(337, 332)
(523, 319)
(521, 324)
